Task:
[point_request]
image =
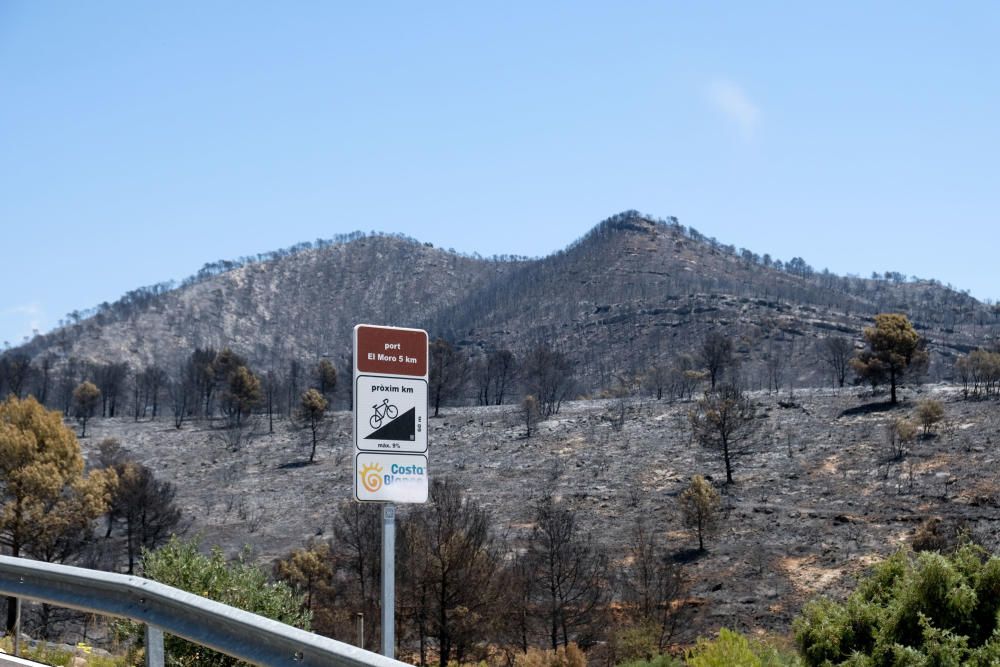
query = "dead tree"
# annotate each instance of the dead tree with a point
(724, 420)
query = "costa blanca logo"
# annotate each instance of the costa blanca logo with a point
(399, 474)
(371, 477)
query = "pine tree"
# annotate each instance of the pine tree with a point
(894, 347)
(85, 398)
(724, 420)
(243, 393)
(312, 410)
(47, 503)
(700, 507)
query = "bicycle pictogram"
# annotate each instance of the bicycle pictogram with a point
(383, 410)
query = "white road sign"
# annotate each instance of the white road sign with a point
(391, 414)
(398, 478)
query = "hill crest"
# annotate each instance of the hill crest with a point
(629, 293)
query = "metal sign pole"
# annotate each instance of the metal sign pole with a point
(389, 580)
(391, 367)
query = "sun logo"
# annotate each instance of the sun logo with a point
(371, 477)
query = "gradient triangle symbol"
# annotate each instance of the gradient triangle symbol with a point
(403, 427)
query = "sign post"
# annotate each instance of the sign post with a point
(389, 580)
(390, 437)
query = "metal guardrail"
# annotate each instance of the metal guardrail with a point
(238, 633)
(13, 661)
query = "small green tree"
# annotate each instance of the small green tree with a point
(700, 506)
(894, 347)
(312, 411)
(635, 642)
(86, 396)
(899, 434)
(236, 583)
(310, 571)
(243, 393)
(929, 412)
(979, 372)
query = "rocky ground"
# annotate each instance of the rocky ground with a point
(816, 502)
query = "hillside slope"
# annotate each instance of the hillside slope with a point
(301, 306)
(816, 500)
(631, 293)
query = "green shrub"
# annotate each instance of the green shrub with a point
(732, 649)
(655, 661)
(237, 583)
(636, 643)
(929, 412)
(926, 609)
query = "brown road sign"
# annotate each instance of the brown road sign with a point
(390, 414)
(390, 350)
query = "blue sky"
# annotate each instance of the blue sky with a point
(140, 140)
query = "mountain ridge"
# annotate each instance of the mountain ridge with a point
(630, 292)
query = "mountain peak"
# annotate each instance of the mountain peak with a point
(630, 221)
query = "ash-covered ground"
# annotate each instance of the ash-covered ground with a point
(816, 500)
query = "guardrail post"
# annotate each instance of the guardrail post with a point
(154, 647)
(17, 627)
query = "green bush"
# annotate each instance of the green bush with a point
(925, 609)
(655, 661)
(237, 583)
(635, 644)
(732, 649)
